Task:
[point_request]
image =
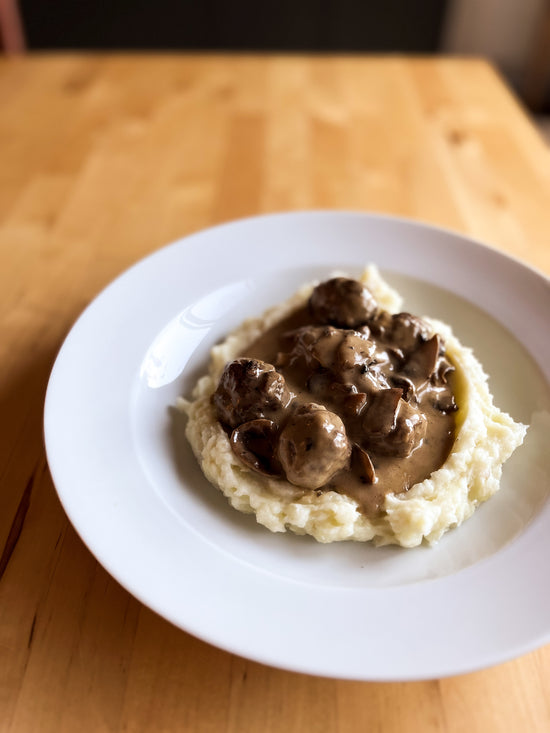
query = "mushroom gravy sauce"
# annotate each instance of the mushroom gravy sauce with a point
(341, 395)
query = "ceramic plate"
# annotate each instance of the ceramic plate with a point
(133, 490)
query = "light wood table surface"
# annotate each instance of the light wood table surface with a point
(103, 159)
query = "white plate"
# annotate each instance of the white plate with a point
(132, 488)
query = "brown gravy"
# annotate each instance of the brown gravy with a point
(389, 359)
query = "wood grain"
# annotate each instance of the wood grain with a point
(103, 159)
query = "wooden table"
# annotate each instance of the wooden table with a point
(103, 159)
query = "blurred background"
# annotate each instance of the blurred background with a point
(513, 34)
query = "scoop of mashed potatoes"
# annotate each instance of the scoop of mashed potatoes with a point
(485, 439)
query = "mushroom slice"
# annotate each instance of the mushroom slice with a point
(444, 368)
(254, 443)
(354, 403)
(405, 384)
(363, 466)
(382, 412)
(423, 361)
(396, 354)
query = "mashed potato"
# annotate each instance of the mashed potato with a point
(485, 439)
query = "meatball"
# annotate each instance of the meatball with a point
(313, 446)
(342, 302)
(392, 426)
(407, 331)
(331, 348)
(409, 432)
(249, 389)
(354, 350)
(404, 331)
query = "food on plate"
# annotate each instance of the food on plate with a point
(340, 416)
